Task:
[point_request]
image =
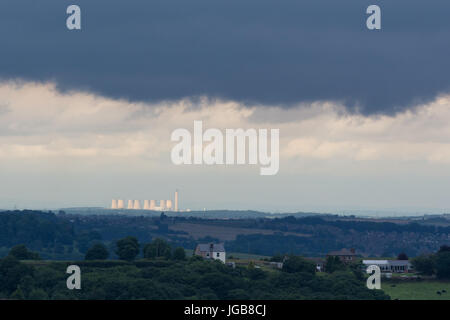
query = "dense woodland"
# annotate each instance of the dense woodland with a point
(61, 236)
(125, 257)
(168, 274)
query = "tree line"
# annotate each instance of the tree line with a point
(163, 276)
(437, 264)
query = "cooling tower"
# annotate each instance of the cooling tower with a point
(176, 200)
(136, 205)
(146, 205)
(120, 204)
(130, 204)
(169, 204)
(114, 204)
(162, 204)
(152, 204)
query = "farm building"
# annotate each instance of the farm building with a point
(346, 256)
(390, 266)
(214, 251)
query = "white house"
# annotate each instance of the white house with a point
(214, 251)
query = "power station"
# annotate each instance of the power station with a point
(167, 205)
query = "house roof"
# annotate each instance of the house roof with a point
(215, 247)
(342, 252)
(387, 262)
(375, 262)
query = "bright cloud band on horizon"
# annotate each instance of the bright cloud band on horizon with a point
(38, 121)
(39, 124)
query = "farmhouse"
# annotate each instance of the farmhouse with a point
(214, 251)
(346, 256)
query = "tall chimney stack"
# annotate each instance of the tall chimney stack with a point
(176, 200)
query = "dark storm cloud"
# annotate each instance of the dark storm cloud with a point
(259, 51)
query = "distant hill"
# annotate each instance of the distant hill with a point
(68, 234)
(209, 214)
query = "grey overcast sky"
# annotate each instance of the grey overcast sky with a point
(86, 116)
(254, 51)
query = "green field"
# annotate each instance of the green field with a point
(416, 290)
